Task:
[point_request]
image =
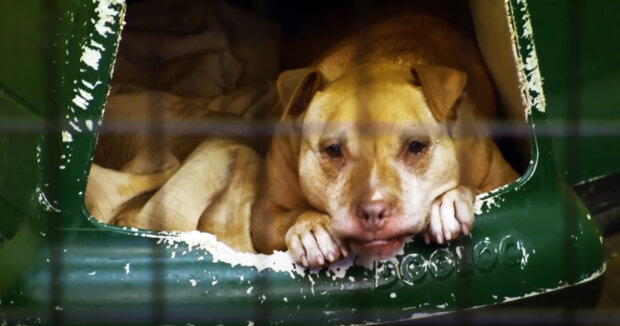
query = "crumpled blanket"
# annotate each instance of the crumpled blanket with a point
(186, 72)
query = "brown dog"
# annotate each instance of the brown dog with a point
(377, 145)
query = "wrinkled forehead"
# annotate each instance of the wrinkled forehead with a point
(369, 106)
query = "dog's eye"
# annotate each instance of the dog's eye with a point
(416, 147)
(333, 151)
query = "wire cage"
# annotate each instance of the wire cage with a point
(60, 265)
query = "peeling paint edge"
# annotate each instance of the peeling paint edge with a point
(91, 55)
(592, 179)
(43, 201)
(106, 14)
(530, 79)
(593, 276)
(279, 261)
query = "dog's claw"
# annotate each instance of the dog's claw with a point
(465, 228)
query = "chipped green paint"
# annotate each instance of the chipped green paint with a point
(518, 247)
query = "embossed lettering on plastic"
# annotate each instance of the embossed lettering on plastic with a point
(386, 273)
(413, 268)
(442, 263)
(485, 255)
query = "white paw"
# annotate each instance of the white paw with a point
(311, 244)
(452, 214)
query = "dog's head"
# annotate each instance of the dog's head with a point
(375, 149)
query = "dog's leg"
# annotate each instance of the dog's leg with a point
(310, 243)
(451, 215)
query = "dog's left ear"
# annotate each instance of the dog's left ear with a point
(296, 89)
(442, 86)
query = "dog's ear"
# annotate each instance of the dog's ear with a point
(296, 89)
(442, 86)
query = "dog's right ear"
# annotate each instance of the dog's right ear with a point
(296, 89)
(443, 88)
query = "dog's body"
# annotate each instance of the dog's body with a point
(387, 149)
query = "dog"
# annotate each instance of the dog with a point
(379, 142)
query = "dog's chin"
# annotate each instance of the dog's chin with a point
(378, 249)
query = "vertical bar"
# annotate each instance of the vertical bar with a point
(572, 133)
(572, 129)
(158, 314)
(52, 161)
(157, 143)
(363, 309)
(263, 284)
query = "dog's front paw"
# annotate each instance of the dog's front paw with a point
(310, 243)
(452, 214)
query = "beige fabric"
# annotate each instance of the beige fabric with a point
(184, 63)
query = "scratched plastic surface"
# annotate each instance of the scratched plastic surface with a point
(530, 237)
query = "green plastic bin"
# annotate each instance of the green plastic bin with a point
(61, 266)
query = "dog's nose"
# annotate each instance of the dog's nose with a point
(373, 213)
